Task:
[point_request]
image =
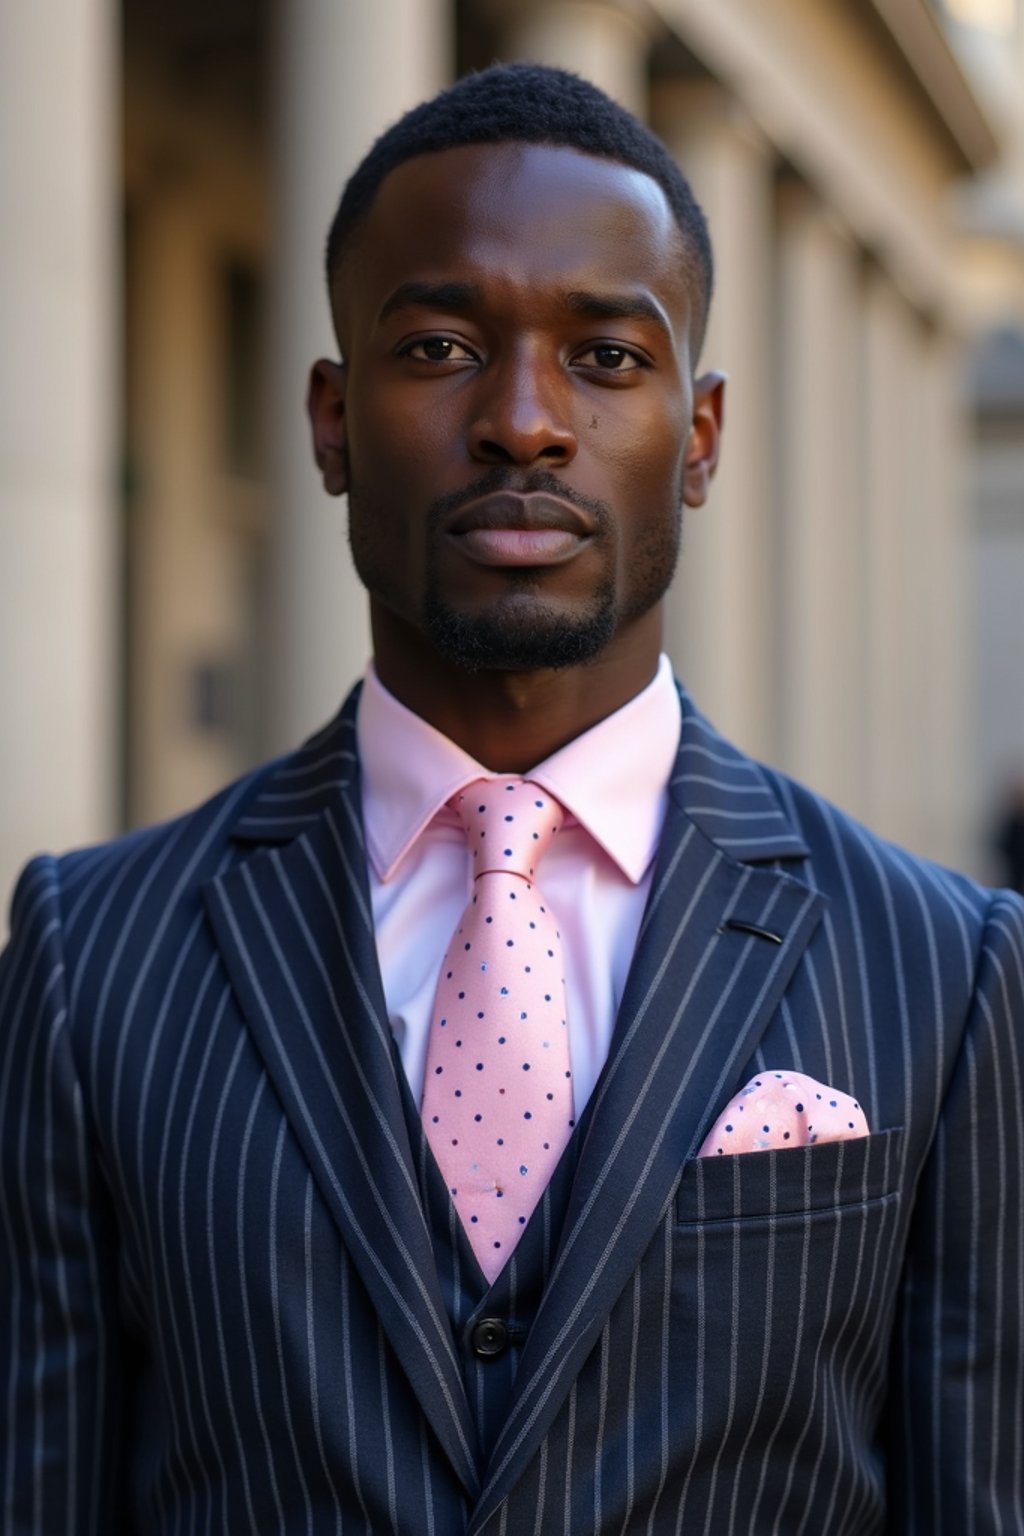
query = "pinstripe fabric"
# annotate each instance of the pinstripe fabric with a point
(223, 1307)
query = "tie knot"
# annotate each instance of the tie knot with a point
(509, 824)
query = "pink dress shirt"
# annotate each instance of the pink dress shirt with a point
(612, 782)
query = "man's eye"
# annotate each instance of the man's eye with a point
(613, 359)
(438, 349)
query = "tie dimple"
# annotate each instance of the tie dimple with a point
(497, 1098)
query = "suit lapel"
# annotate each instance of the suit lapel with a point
(719, 942)
(295, 929)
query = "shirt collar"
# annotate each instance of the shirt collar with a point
(613, 779)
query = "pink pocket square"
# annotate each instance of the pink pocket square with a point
(783, 1109)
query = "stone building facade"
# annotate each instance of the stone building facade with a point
(175, 597)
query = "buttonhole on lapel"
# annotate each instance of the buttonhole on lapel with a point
(740, 926)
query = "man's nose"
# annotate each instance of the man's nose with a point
(523, 415)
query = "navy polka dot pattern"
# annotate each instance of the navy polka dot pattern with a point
(498, 1120)
(783, 1109)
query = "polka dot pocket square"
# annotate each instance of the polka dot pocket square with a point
(783, 1109)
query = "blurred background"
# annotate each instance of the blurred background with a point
(175, 593)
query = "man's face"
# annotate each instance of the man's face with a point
(512, 416)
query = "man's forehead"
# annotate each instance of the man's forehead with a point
(539, 207)
(483, 179)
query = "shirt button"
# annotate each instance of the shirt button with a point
(489, 1337)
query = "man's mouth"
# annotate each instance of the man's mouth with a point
(509, 529)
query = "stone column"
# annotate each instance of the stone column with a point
(605, 43)
(894, 534)
(946, 553)
(821, 706)
(180, 548)
(343, 73)
(58, 426)
(721, 612)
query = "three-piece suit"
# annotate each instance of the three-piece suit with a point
(234, 1295)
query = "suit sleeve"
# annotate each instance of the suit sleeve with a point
(61, 1383)
(956, 1411)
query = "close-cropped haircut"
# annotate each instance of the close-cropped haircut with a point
(529, 104)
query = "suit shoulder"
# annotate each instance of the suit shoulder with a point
(144, 867)
(853, 865)
(198, 834)
(874, 886)
(99, 920)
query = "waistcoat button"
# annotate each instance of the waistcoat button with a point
(489, 1337)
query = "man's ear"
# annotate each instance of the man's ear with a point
(325, 403)
(705, 436)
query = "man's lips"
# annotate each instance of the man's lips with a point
(509, 529)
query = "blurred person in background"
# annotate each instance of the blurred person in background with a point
(1009, 838)
(516, 1111)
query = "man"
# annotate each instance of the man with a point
(1010, 837)
(268, 1262)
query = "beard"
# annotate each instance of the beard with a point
(520, 633)
(521, 630)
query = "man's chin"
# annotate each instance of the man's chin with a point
(528, 638)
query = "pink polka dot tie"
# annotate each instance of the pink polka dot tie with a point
(497, 1097)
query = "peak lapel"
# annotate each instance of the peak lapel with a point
(718, 945)
(295, 929)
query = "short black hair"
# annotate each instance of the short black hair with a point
(529, 104)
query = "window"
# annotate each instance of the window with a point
(244, 320)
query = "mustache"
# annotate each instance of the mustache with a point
(523, 483)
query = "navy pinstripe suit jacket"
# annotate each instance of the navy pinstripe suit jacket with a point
(222, 1307)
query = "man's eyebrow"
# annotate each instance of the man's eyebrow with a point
(451, 296)
(616, 306)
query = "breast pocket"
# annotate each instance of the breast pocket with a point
(787, 1263)
(790, 1182)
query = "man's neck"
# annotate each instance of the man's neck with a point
(510, 721)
